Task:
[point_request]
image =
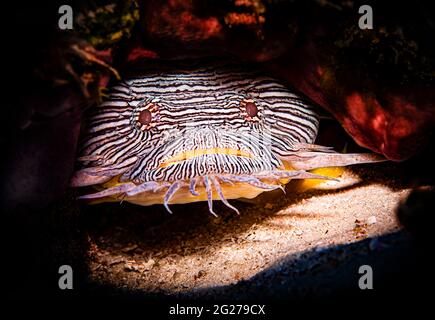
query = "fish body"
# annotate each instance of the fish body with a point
(214, 129)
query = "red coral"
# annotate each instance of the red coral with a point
(176, 19)
(141, 53)
(234, 18)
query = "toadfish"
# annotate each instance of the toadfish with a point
(213, 129)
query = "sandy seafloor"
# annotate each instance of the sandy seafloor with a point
(297, 244)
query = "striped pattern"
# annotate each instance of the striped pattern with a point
(195, 106)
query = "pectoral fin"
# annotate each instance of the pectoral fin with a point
(314, 160)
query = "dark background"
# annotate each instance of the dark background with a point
(44, 227)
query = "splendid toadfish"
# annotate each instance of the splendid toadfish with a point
(213, 129)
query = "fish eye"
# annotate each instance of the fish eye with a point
(145, 117)
(251, 109)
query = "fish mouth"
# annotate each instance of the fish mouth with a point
(191, 154)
